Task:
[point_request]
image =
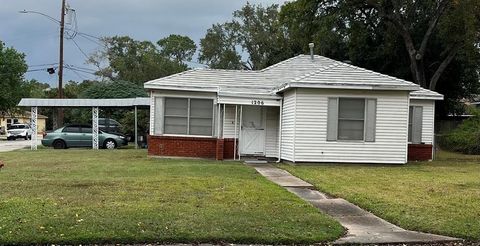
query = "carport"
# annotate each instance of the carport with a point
(94, 104)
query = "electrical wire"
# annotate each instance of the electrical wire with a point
(41, 65)
(80, 49)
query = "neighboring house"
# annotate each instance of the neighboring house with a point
(7, 120)
(304, 109)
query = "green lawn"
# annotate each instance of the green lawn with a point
(121, 196)
(439, 197)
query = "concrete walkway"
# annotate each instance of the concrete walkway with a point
(363, 227)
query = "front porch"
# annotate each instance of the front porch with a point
(240, 127)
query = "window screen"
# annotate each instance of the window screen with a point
(176, 115)
(415, 117)
(188, 116)
(201, 117)
(351, 119)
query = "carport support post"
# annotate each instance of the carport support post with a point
(95, 127)
(136, 129)
(33, 125)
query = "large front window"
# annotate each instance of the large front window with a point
(188, 116)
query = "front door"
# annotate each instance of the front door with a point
(252, 140)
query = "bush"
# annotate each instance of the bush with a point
(465, 138)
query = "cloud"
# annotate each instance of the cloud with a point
(38, 37)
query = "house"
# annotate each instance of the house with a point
(308, 108)
(6, 120)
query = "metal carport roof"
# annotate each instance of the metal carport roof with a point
(65, 103)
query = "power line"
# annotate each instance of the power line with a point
(79, 70)
(41, 65)
(84, 68)
(80, 49)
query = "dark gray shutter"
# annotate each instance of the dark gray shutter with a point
(332, 119)
(417, 124)
(370, 119)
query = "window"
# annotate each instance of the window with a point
(86, 129)
(415, 116)
(351, 119)
(188, 116)
(72, 129)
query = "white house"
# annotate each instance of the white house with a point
(305, 109)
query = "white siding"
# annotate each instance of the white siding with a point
(311, 129)
(271, 141)
(288, 125)
(428, 120)
(229, 124)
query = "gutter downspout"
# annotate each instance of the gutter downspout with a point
(280, 132)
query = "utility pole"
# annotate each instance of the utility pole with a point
(60, 66)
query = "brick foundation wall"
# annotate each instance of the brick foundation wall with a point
(419, 152)
(212, 148)
(228, 148)
(182, 146)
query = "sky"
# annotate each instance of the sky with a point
(38, 37)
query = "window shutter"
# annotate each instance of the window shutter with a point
(332, 119)
(417, 124)
(370, 121)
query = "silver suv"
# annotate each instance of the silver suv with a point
(15, 131)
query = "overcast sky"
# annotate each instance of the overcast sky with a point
(38, 37)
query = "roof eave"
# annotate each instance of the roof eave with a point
(345, 86)
(181, 88)
(426, 97)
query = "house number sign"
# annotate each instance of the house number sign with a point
(258, 102)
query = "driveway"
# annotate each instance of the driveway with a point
(15, 144)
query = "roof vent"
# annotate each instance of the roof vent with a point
(311, 45)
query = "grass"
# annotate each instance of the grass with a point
(441, 197)
(121, 196)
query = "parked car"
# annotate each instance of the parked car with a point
(19, 131)
(78, 135)
(109, 125)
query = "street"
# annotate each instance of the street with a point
(14, 144)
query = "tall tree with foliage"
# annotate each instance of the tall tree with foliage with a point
(133, 60)
(177, 47)
(12, 69)
(255, 30)
(433, 32)
(444, 39)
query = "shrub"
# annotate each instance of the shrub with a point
(466, 137)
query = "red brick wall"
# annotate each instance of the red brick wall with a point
(191, 147)
(182, 146)
(228, 148)
(419, 152)
(219, 151)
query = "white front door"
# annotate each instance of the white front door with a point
(252, 140)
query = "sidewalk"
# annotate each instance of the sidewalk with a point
(363, 227)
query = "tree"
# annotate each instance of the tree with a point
(356, 31)
(218, 48)
(405, 16)
(12, 68)
(114, 89)
(253, 29)
(178, 48)
(132, 60)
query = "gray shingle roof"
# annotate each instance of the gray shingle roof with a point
(298, 71)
